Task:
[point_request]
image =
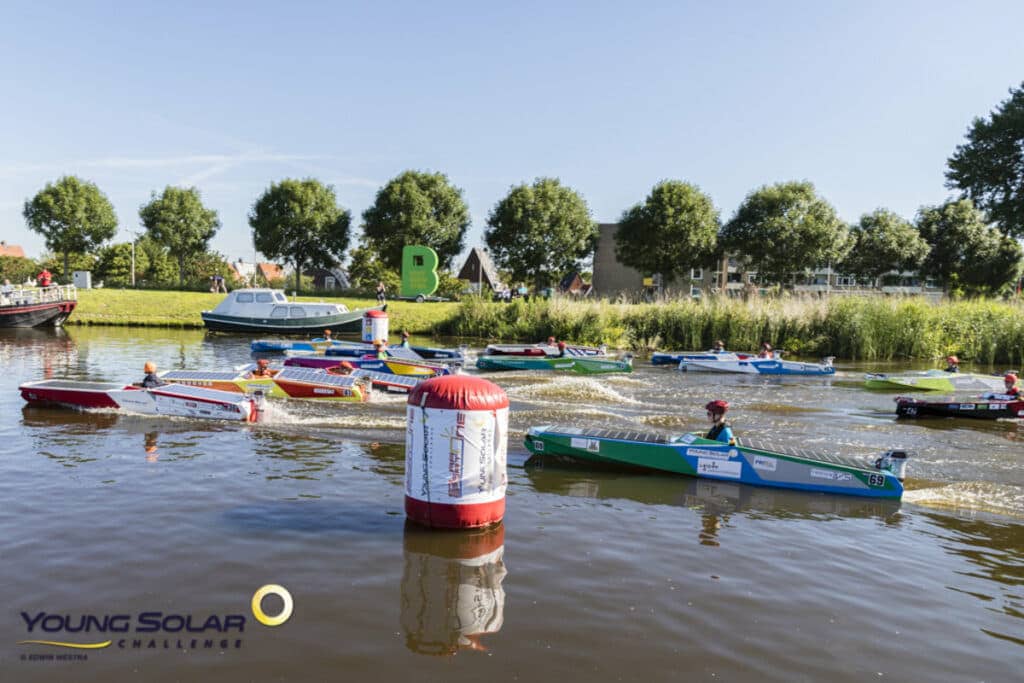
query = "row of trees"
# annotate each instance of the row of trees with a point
(783, 229)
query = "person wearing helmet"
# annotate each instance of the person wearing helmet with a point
(405, 339)
(719, 347)
(1011, 391)
(327, 336)
(720, 430)
(382, 352)
(766, 350)
(262, 369)
(151, 380)
(561, 349)
(342, 368)
(952, 364)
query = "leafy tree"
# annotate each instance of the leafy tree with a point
(178, 220)
(673, 230)
(989, 167)
(300, 220)
(201, 266)
(784, 229)
(967, 255)
(160, 269)
(366, 270)
(114, 264)
(73, 215)
(540, 232)
(17, 269)
(883, 242)
(417, 208)
(74, 261)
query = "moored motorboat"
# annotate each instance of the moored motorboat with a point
(978, 409)
(760, 366)
(268, 310)
(37, 306)
(581, 366)
(170, 399)
(748, 461)
(934, 380)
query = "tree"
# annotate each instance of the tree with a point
(967, 255)
(540, 232)
(17, 269)
(417, 208)
(160, 269)
(114, 264)
(673, 230)
(178, 220)
(989, 167)
(366, 270)
(882, 242)
(784, 229)
(73, 215)
(300, 220)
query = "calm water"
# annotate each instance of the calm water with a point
(593, 576)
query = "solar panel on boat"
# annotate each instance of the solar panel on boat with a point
(845, 461)
(620, 434)
(314, 376)
(189, 391)
(197, 375)
(80, 386)
(404, 353)
(386, 378)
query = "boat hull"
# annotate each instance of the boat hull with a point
(938, 381)
(170, 400)
(580, 366)
(978, 410)
(758, 366)
(342, 323)
(675, 357)
(48, 314)
(692, 455)
(542, 350)
(391, 366)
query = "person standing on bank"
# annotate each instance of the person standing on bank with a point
(382, 292)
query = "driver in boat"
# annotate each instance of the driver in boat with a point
(342, 368)
(766, 351)
(405, 339)
(151, 380)
(262, 369)
(1011, 392)
(952, 364)
(719, 347)
(327, 336)
(720, 430)
(561, 349)
(381, 347)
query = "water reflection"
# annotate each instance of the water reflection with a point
(715, 499)
(451, 588)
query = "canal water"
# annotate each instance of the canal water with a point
(594, 575)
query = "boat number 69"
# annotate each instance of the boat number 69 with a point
(876, 480)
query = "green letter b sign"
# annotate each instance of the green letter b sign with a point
(419, 270)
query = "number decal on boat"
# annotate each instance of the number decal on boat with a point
(876, 479)
(538, 445)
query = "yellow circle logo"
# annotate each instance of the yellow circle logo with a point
(257, 607)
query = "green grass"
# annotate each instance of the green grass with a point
(155, 308)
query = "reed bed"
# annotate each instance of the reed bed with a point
(865, 328)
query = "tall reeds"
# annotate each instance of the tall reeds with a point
(868, 328)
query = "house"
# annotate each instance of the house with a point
(245, 272)
(611, 278)
(12, 250)
(480, 271)
(328, 278)
(573, 285)
(269, 272)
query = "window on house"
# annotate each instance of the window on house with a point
(697, 274)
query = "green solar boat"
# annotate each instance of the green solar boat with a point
(934, 380)
(580, 366)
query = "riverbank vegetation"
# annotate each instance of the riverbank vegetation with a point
(865, 328)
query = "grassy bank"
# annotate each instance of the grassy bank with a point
(870, 328)
(153, 308)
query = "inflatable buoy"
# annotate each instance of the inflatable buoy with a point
(375, 326)
(456, 449)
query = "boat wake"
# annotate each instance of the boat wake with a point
(971, 497)
(577, 389)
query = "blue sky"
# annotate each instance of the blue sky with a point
(865, 99)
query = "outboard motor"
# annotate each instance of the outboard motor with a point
(895, 462)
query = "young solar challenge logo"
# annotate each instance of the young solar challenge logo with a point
(151, 630)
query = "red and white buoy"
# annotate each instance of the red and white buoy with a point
(456, 449)
(375, 326)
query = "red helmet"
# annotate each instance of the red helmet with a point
(348, 366)
(717, 407)
(1010, 377)
(561, 345)
(952, 359)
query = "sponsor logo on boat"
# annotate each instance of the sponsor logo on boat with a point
(592, 445)
(150, 630)
(967, 406)
(708, 453)
(831, 475)
(763, 462)
(326, 392)
(688, 438)
(719, 468)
